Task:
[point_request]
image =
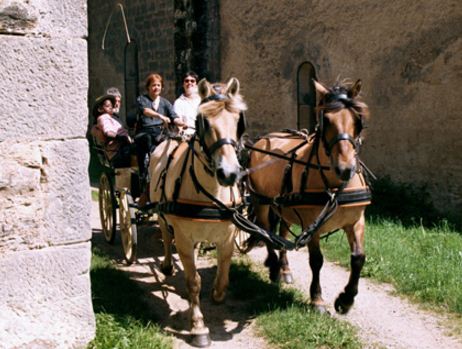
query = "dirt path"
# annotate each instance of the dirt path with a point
(386, 321)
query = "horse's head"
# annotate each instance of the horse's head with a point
(340, 122)
(219, 127)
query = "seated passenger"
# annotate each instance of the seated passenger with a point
(187, 105)
(110, 133)
(155, 114)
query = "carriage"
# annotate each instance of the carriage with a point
(119, 189)
(314, 180)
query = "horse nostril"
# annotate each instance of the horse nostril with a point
(226, 179)
(344, 174)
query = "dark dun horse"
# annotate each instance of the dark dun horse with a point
(315, 181)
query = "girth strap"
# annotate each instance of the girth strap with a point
(194, 211)
(363, 195)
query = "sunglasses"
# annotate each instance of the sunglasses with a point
(189, 80)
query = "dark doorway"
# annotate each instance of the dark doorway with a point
(306, 97)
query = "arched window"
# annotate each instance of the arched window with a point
(306, 97)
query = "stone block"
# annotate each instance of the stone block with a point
(46, 301)
(49, 18)
(44, 194)
(52, 83)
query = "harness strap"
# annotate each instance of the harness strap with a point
(179, 180)
(194, 211)
(362, 195)
(281, 156)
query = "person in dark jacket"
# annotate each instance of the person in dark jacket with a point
(155, 113)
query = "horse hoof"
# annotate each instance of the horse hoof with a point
(218, 299)
(342, 305)
(167, 270)
(287, 278)
(320, 308)
(200, 340)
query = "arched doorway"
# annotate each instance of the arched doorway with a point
(306, 97)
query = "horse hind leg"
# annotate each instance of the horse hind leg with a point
(355, 234)
(166, 266)
(268, 221)
(286, 274)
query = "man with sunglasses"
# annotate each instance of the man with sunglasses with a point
(186, 106)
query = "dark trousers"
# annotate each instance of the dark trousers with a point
(146, 141)
(122, 157)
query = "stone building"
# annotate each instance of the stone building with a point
(407, 55)
(45, 299)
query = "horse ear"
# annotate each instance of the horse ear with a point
(355, 89)
(320, 88)
(204, 88)
(232, 88)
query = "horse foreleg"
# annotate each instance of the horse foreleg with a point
(316, 261)
(224, 254)
(166, 266)
(283, 261)
(355, 234)
(199, 332)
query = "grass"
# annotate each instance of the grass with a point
(409, 244)
(283, 315)
(423, 263)
(123, 319)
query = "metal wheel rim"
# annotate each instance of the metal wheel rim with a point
(128, 231)
(106, 208)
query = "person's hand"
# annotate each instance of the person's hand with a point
(180, 123)
(165, 119)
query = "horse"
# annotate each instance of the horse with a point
(195, 181)
(316, 181)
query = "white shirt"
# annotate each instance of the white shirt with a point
(155, 103)
(187, 108)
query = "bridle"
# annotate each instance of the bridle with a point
(338, 101)
(203, 126)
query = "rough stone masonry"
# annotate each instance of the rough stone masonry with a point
(45, 296)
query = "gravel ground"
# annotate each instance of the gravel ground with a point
(385, 320)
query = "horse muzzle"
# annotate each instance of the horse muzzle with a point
(225, 178)
(344, 173)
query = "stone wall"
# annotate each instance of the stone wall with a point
(407, 54)
(45, 296)
(150, 25)
(172, 37)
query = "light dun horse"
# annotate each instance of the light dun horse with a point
(191, 180)
(316, 167)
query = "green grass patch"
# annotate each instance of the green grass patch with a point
(123, 319)
(94, 195)
(423, 263)
(283, 315)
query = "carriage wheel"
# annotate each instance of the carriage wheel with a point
(107, 208)
(128, 231)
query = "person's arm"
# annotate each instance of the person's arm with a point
(172, 115)
(105, 126)
(145, 108)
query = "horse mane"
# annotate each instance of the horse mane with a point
(335, 100)
(233, 103)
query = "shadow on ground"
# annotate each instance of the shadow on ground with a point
(163, 299)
